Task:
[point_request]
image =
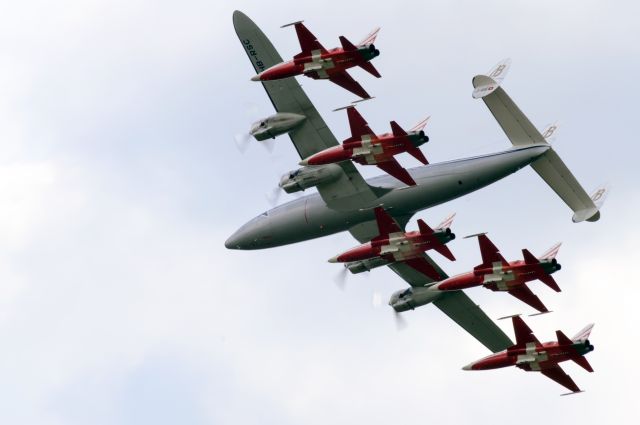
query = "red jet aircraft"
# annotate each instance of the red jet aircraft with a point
(319, 63)
(497, 274)
(394, 245)
(531, 355)
(367, 148)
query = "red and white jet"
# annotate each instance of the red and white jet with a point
(531, 355)
(497, 274)
(394, 245)
(319, 63)
(367, 148)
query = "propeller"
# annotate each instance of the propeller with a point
(242, 141)
(400, 321)
(340, 278)
(376, 300)
(273, 196)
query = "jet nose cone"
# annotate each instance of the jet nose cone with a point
(334, 259)
(255, 77)
(232, 242)
(468, 367)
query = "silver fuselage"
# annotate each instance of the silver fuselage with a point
(309, 217)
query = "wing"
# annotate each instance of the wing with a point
(346, 81)
(386, 223)
(557, 374)
(524, 334)
(393, 168)
(308, 42)
(490, 253)
(348, 192)
(424, 267)
(524, 294)
(455, 304)
(359, 127)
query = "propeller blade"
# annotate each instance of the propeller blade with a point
(273, 196)
(268, 144)
(401, 323)
(341, 278)
(376, 300)
(242, 141)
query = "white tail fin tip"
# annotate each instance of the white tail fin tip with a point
(486, 84)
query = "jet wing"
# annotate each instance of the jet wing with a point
(348, 192)
(524, 294)
(346, 81)
(358, 125)
(560, 376)
(490, 253)
(455, 304)
(308, 42)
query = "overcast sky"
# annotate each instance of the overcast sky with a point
(120, 181)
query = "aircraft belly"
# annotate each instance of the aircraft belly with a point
(310, 217)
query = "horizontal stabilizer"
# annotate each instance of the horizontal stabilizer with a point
(347, 45)
(484, 85)
(583, 362)
(397, 130)
(563, 339)
(425, 229)
(368, 66)
(529, 258)
(417, 154)
(521, 132)
(548, 280)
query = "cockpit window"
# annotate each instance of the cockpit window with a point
(405, 293)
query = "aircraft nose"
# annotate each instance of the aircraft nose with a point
(238, 240)
(468, 367)
(232, 242)
(255, 77)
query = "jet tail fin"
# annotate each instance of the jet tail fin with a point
(521, 132)
(370, 38)
(551, 252)
(583, 335)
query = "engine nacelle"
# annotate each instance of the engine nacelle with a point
(275, 125)
(307, 177)
(411, 298)
(356, 267)
(445, 235)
